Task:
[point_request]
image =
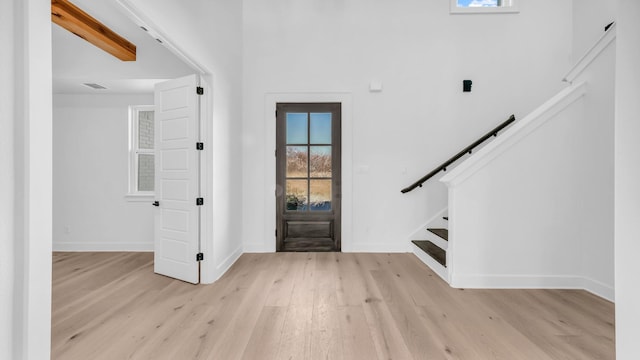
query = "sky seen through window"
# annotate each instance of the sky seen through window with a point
(478, 3)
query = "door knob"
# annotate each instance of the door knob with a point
(156, 203)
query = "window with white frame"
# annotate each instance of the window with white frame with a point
(141, 151)
(483, 6)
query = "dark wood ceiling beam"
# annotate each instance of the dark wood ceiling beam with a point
(72, 18)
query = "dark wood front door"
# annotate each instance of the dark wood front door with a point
(308, 177)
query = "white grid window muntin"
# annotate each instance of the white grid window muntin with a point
(141, 150)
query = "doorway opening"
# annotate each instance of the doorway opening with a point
(308, 173)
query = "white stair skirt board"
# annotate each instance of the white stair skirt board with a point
(431, 263)
(435, 221)
(591, 54)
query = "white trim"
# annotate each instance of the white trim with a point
(507, 7)
(271, 99)
(208, 272)
(222, 268)
(599, 289)
(139, 197)
(156, 32)
(484, 281)
(435, 266)
(421, 232)
(514, 134)
(257, 248)
(480, 281)
(100, 247)
(591, 54)
(397, 247)
(33, 136)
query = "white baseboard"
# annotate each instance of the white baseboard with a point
(227, 263)
(257, 248)
(352, 248)
(533, 282)
(98, 247)
(378, 248)
(599, 289)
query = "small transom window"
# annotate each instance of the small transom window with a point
(483, 6)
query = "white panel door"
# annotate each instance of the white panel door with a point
(177, 179)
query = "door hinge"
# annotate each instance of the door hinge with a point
(200, 201)
(200, 90)
(276, 232)
(199, 146)
(199, 256)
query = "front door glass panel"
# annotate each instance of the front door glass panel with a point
(308, 167)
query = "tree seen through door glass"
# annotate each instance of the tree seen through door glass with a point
(297, 161)
(320, 161)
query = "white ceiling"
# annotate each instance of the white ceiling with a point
(75, 61)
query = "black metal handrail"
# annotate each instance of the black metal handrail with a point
(457, 156)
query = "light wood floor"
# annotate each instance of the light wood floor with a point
(312, 306)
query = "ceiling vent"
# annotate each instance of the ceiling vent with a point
(95, 86)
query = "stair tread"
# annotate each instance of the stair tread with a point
(432, 250)
(443, 233)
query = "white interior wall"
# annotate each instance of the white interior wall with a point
(91, 176)
(421, 54)
(210, 32)
(594, 179)
(627, 178)
(7, 187)
(589, 19)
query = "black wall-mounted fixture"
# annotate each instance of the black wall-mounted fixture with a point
(466, 85)
(608, 26)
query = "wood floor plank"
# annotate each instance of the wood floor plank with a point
(281, 292)
(386, 336)
(357, 342)
(414, 332)
(351, 290)
(326, 337)
(312, 306)
(233, 342)
(295, 342)
(266, 336)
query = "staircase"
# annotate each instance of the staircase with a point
(431, 244)
(438, 253)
